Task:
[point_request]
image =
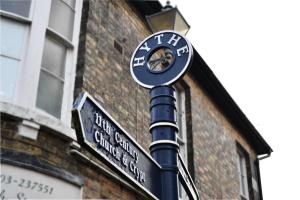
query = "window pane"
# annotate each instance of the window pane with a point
(50, 93)
(242, 175)
(12, 38)
(243, 186)
(61, 18)
(8, 77)
(54, 57)
(19, 7)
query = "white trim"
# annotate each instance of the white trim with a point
(182, 71)
(38, 118)
(31, 124)
(70, 73)
(181, 118)
(18, 17)
(59, 37)
(52, 74)
(15, 17)
(164, 142)
(73, 9)
(28, 129)
(75, 145)
(26, 90)
(254, 184)
(182, 132)
(163, 124)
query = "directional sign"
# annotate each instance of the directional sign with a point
(98, 132)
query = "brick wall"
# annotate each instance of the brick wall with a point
(215, 147)
(110, 31)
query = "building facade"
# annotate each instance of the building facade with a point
(52, 51)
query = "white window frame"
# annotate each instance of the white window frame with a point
(242, 172)
(27, 86)
(180, 95)
(181, 119)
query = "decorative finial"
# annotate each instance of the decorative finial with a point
(167, 6)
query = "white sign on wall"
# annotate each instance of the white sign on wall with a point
(21, 183)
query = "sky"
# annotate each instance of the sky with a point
(253, 47)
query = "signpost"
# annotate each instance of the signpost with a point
(159, 61)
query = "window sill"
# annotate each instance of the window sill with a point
(36, 116)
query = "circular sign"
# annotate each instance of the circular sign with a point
(161, 59)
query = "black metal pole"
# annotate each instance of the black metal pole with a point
(164, 148)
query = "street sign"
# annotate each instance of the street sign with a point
(98, 132)
(161, 59)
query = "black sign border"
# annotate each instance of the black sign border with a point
(82, 140)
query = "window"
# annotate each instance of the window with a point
(242, 171)
(38, 55)
(58, 38)
(13, 37)
(51, 81)
(182, 135)
(62, 17)
(21, 8)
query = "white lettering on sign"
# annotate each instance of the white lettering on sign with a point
(139, 61)
(174, 40)
(105, 144)
(184, 49)
(139, 175)
(126, 146)
(105, 125)
(158, 37)
(21, 183)
(117, 146)
(145, 47)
